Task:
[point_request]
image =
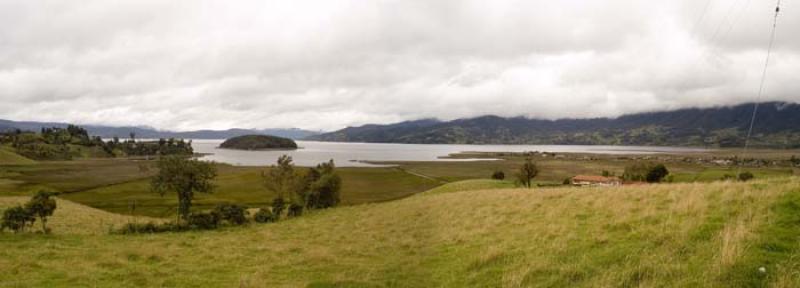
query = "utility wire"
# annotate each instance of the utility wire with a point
(760, 86)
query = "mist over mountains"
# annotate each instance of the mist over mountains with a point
(777, 125)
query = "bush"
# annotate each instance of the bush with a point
(278, 205)
(746, 176)
(16, 219)
(295, 210)
(231, 213)
(657, 173)
(498, 175)
(137, 228)
(205, 221)
(264, 215)
(652, 173)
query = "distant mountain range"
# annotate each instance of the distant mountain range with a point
(148, 132)
(777, 125)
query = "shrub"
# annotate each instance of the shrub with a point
(264, 215)
(16, 219)
(567, 181)
(498, 175)
(295, 210)
(657, 173)
(137, 228)
(652, 173)
(205, 221)
(231, 213)
(746, 176)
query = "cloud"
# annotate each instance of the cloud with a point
(321, 64)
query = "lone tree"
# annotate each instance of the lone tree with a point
(184, 177)
(42, 206)
(527, 172)
(16, 219)
(285, 183)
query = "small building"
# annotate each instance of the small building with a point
(589, 180)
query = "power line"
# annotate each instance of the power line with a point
(761, 85)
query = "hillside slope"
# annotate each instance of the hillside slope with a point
(676, 235)
(777, 125)
(73, 218)
(9, 157)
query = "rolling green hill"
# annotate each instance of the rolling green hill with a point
(777, 125)
(675, 235)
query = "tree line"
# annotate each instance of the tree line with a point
(54, 144)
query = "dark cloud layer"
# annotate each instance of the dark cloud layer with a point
(321, 64)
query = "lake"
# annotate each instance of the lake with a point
(353, 154)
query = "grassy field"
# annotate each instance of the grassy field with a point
(669, 235)
(554, 171)
(243, 186)
(115, 184)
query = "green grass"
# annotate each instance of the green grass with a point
(554, 171)
(670, 235)
(8, 157)
(114, 184)
(470, 185)
(244, 186)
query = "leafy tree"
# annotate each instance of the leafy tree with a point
(657, 173)
(527, 172)
(42, 206)
(185, 177)
(282, 179)
(323, 186)
(498, 175)
(16, 219)
(746, 176)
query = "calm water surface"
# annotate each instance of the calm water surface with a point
(353, 154)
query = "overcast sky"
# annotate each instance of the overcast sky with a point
(328, 64)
